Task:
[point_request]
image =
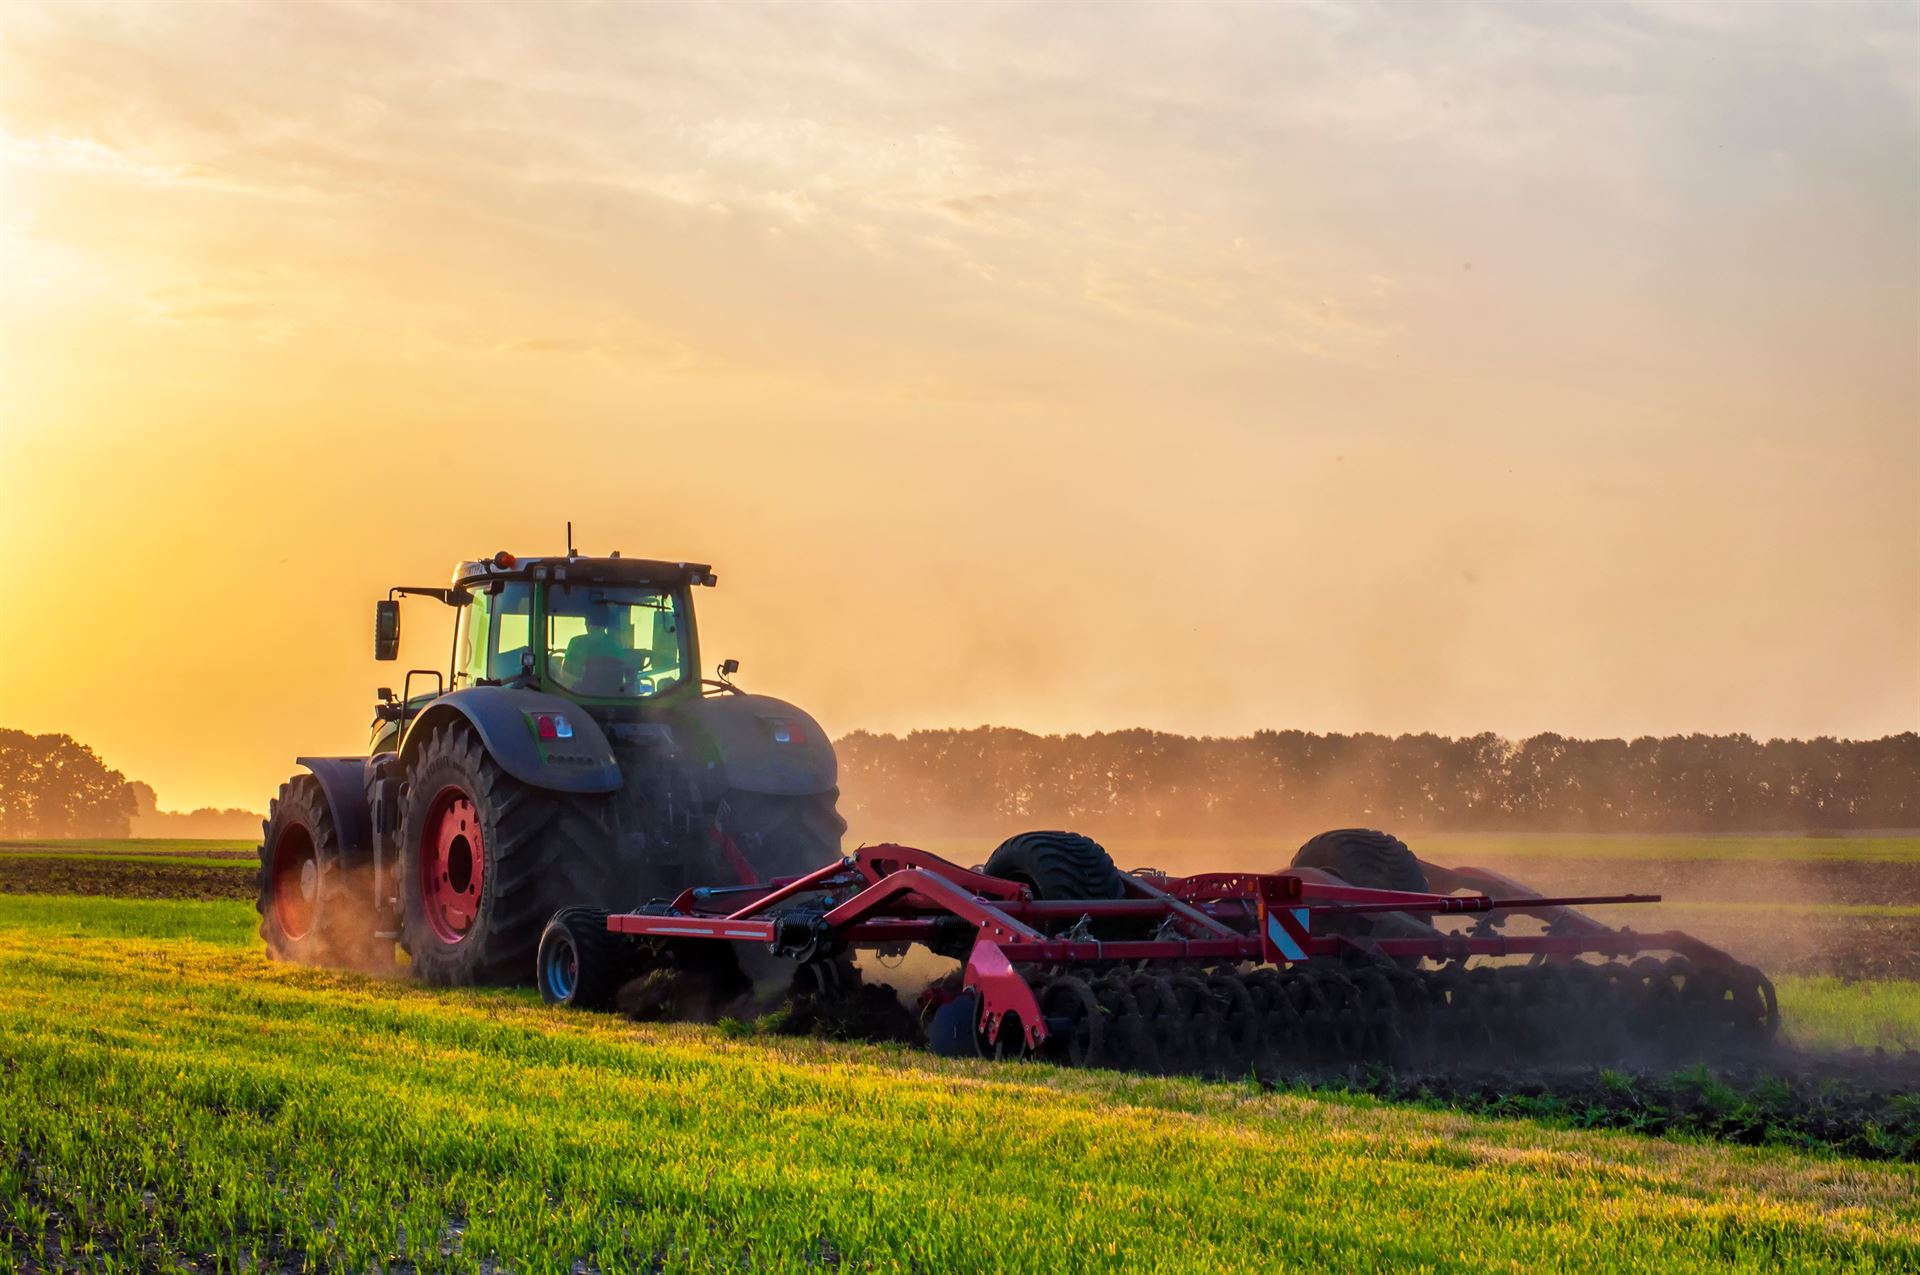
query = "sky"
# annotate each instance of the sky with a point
(1211, 368)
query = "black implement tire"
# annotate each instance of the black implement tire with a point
(1057, 865)
(780, 836)
(580, 963)
(315, 904)
(1363, 857)
(1375, 861)
(486, 860)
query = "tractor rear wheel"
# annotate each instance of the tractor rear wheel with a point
(486, 860)
(1057, 865)
(310, 909)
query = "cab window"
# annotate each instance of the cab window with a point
(613, 641)
(512, 631)
(470, 648)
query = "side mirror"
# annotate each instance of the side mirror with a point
(386, 630)
(729, 667)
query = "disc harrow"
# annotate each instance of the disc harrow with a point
(1231, 974)
(1227, 1022)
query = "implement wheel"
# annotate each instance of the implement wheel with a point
(1364, 857)
(313, 909)
(1057, 865)
(1375, 861)
(581, 964)
(486, 860)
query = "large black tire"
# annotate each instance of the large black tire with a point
(503, 857)
(580, 963)
(1376, 861)
(316, 907)
(1364, 857)
(1057, 865)
(781, 836)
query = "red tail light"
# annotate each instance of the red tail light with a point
(552, 726)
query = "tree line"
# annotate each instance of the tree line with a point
(1282, 781)
(53, 786)
(1143, 782)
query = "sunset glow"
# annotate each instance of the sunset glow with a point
(1398, 369)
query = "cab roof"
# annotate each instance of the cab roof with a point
(579, 567)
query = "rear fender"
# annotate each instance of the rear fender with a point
(343, 781)
(759, 744)
(504, 720)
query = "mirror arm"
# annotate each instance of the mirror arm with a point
(452, 597)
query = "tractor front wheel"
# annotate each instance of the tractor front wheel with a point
(486, 860)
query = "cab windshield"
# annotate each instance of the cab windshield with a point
(613, 641)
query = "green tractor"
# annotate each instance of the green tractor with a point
(571, 755)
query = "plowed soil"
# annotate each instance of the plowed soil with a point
(122, 878)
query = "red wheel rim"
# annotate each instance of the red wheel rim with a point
(453, 864)
(296, 881)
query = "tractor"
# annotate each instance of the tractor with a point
(570, 754)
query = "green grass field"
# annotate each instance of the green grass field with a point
(167, 1096)
(1819, 1012)
(171, 1100)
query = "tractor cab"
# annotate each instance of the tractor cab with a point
(611, 634)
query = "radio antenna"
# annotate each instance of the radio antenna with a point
(570, 537)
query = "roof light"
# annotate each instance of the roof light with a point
(504, 560)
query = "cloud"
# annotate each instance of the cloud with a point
(1066, 153)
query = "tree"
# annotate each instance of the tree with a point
(55, 786)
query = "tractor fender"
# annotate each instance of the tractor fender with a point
(504, 720)
(756, 743)
(343, 781)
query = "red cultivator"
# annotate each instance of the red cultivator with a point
(1222, 973)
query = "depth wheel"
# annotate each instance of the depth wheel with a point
(580, 963)
(1057, 865)
(1375, 861)
(1364, 857)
